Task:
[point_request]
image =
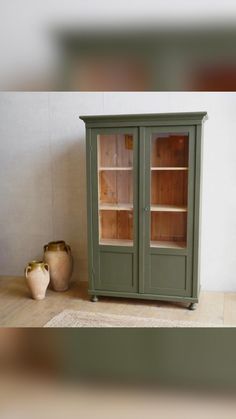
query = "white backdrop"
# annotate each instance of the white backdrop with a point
(42, 174)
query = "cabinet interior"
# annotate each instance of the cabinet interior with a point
(168, 189)
(116, 227)
(115, 174)
(115, 150)
(116, 187)
(169, 150)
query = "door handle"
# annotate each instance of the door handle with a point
(146, 208)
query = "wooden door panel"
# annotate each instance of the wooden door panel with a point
(168, 274)
(116, 272)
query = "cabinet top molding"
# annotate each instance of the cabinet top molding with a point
(185, 118)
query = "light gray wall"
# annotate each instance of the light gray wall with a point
(42, 174)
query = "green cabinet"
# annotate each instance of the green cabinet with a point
(143, 189)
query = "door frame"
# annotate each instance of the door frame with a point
(96, 248)
(145, 251)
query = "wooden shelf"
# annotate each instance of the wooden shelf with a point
(168, 208)
(131, 168)
(116, 242)
(129, 207)
(169, 168)
(116, 207)
(169, 244)
(114, 168)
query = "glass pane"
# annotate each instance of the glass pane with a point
(115, 151)
(170, 150)
(169, 189)
(115, 176)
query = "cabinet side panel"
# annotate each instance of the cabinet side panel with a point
(89, 208)
(197, 212)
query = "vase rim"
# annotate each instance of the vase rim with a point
(56, 246)
(57, 242)
(34, 263)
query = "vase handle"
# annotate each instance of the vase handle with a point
(27, 269)
(46, 266)
(68, 248)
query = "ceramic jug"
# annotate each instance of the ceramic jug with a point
(37, 278)
(58, 256)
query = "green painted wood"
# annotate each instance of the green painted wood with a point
(197, 213)
(191, 203)
(131, 271)
(190, 118)
(113, 248)
(109, 262)
(167, 273)
(141, 123)
(89, 207)
(158, 280)
(145, 296)
(117, 271)
(142, 153)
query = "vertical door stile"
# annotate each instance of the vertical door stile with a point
(169, 194)
(141, 202)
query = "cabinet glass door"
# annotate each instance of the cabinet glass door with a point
(168, 201)
(169, 189)
(115, 189)
(115, 208)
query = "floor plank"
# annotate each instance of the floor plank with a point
(18, 309)
(230, 309)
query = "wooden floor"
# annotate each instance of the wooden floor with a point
(18, 309)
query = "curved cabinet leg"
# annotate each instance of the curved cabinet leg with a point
(94, 298)
(192, 306)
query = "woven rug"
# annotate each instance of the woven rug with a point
(74, 318)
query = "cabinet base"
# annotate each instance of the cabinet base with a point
(192, 306)
(172, 298)
(94, 299)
